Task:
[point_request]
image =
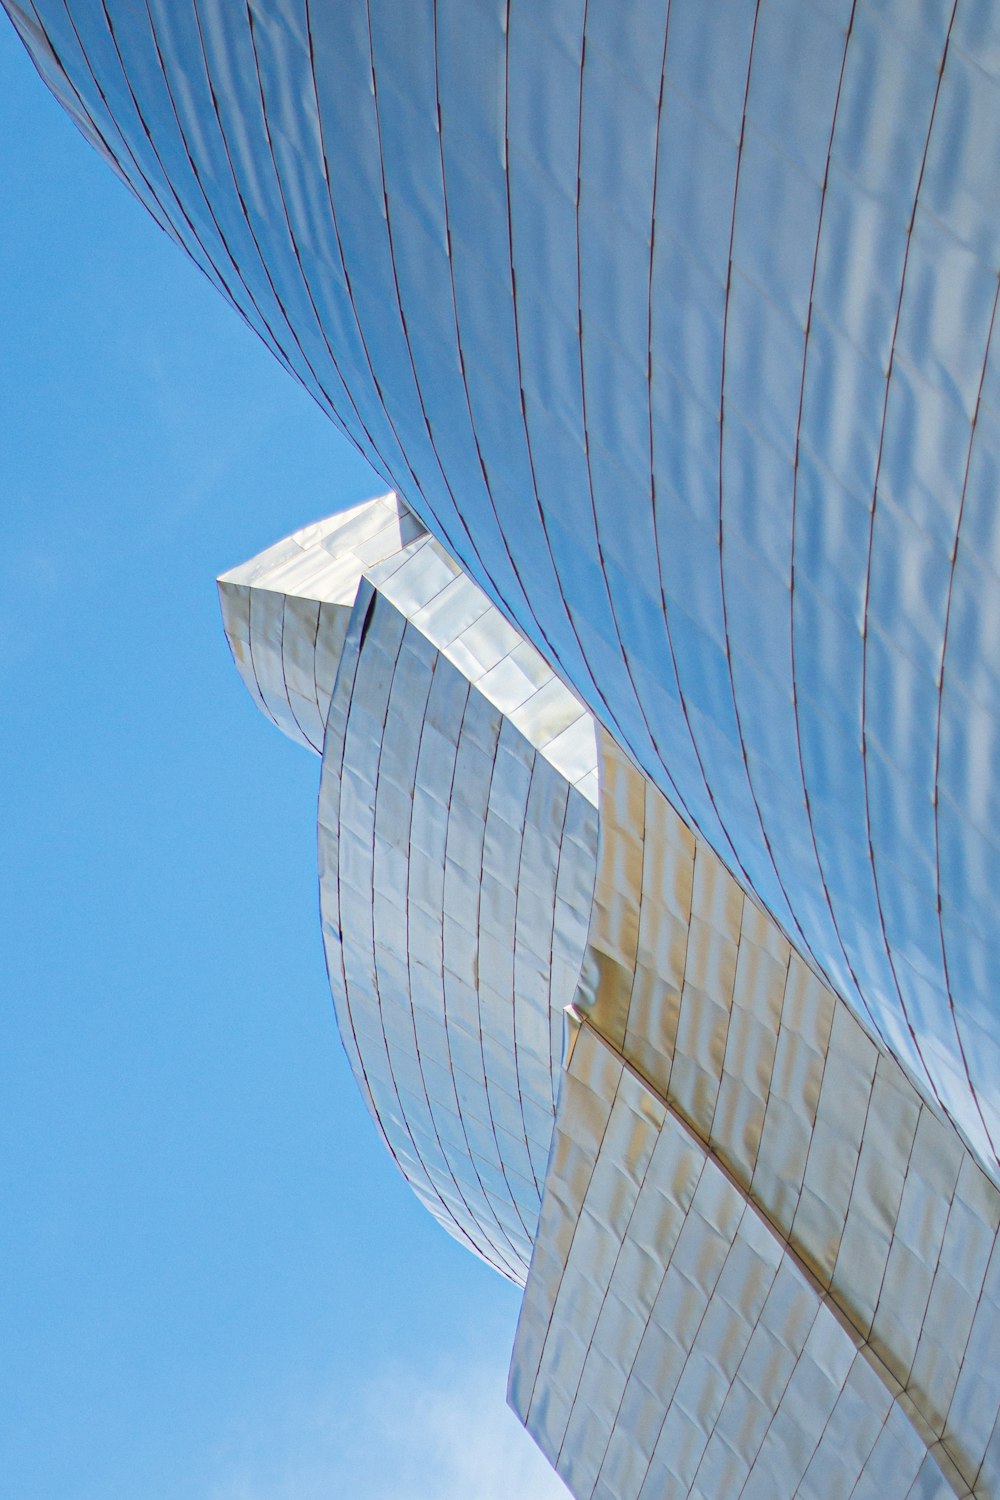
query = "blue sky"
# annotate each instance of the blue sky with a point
(214, 1283)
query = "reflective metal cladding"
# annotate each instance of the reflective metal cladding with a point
(670, 326)
(457, 846)
(755, 1258)
(674, 323)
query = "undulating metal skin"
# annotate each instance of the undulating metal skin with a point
(757, 1262)
(756, 1238)
(286, 612)
(457, 849)
(674, 323)
(671, 1344)
(456, 872)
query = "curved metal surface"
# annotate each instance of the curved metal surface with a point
(675, 323)
(458, 839)
(456, 877)
(724, 1120)
(670, 1343)
(868, 1188)
(286, 611)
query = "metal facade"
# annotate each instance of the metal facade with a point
(756, 1260)
(718, 1090)
(457, 849)
(674, 322)
(287, 611)
(677, 1346)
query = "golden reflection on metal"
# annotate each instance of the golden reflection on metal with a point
(760, 1262)
(670, 1343)
(859, 1180)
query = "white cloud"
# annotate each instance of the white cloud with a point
(405, 1435)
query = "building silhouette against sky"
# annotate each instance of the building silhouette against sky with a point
(674, 324)
(755, 1261)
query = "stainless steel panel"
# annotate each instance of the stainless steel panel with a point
(678, 330)
(712, 1360)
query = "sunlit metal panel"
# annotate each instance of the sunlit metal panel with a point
(818, 1127)
(461, 903)
(458, 837)
(672, 1343)
(675, 324)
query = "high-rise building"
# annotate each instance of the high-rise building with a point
(673, 323)
(755, 1260)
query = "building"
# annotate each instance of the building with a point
(673, 324)
(458, 834)
(755, 1260)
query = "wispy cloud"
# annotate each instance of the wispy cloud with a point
(405, 1435)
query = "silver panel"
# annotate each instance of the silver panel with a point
(457, 848)
(671, 1343)
(818, 1127)
(675, 325)
(286, 611)
(463, 898)
(442, 851)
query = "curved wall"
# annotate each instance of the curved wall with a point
(675, 323)
(286, 611)
(738, 1048)
(754, 1258)
(456, 875)
(671, 1344)
(457, 848)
